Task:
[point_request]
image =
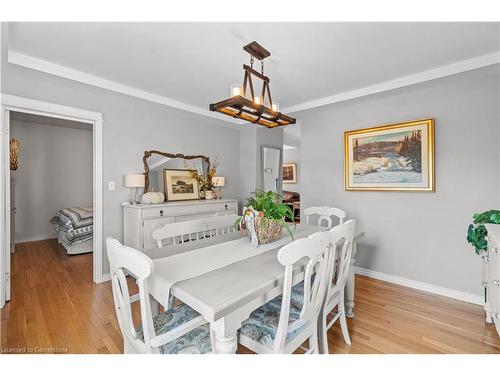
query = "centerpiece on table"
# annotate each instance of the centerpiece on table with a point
(205, 182)
(265, 216)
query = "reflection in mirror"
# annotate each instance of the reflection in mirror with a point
(271, 169)
(155, 163)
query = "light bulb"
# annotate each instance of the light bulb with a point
(235, 89)
(275, 107)
(257, 100)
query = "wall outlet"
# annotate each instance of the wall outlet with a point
(111, 186)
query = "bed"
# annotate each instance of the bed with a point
(74, 227)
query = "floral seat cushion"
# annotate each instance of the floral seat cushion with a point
(297, 298)
(196, 341)
(262, 324)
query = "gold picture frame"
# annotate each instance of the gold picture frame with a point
(290, 173)
(394, 157)
(179, 185)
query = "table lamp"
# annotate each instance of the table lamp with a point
(218, 182)
(134, 181)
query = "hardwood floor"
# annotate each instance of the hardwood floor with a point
(55, 307)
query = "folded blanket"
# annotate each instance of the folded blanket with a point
(76, 222)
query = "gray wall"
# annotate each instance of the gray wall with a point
(131, 126)
(420, 236)
(292, 156)
(55, 171)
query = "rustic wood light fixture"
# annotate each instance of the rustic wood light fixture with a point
(254, 109)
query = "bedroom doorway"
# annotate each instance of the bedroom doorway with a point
(15, 109)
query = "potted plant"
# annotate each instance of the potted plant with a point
(265, 217)
(477, 233)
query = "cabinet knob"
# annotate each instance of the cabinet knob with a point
(161, 212)
(496, 315)
(225, 206)
(494, 250)
(495, 283)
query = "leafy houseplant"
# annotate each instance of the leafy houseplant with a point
(476, 233)
(266, 216)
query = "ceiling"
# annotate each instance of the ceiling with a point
(195, 63)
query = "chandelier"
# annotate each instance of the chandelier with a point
(259, 107)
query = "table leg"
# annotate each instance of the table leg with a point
(349, 287)
(225, 338)
(349, 293)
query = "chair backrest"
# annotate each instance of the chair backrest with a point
(325, 214)
(342, 237)
(123, 260)
(195, 230)
(316, 249)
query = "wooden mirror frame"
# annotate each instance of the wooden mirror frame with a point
(148, 154)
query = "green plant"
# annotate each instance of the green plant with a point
(476, 233)
(270, 206)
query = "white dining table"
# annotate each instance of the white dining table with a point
(226, 296)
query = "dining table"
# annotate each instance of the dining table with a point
(225, 278)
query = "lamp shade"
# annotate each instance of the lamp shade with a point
(219, 181)
(134, 180)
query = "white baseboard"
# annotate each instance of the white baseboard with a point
(36, 238)
(105, 277)
(419, 285)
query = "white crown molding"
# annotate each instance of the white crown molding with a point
(428, 75)
(45, 66)
(419, 285)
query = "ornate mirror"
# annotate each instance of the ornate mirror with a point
(155, 163)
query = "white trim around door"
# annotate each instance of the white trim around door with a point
(20, 104)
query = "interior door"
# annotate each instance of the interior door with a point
(6, 215)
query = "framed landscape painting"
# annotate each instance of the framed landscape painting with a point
(179, 185)
(397, 157)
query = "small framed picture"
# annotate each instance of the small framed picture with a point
(290, 173)
(179, 185)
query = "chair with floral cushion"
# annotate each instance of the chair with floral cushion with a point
(177, 330)
(278, 326)
(342, 237)
(324, 214)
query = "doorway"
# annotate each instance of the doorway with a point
(32, 107)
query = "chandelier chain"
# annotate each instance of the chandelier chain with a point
(262, 66)
(251, 62)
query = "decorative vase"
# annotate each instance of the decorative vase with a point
(209, 194)
(202, 194)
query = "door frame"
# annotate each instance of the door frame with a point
(26, 105)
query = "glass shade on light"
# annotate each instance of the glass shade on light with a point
(275, 107)
(219, 181)
(257, 99)
(235, 89)
(135, 180)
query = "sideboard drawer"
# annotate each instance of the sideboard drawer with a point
(154, 212)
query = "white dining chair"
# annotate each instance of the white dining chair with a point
(175, 331)
(343, 235)
(341, 240)
(325, 214)
(195, 230)
(278, 326)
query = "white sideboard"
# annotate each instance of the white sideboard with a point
(492, 276)
(140, 220)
